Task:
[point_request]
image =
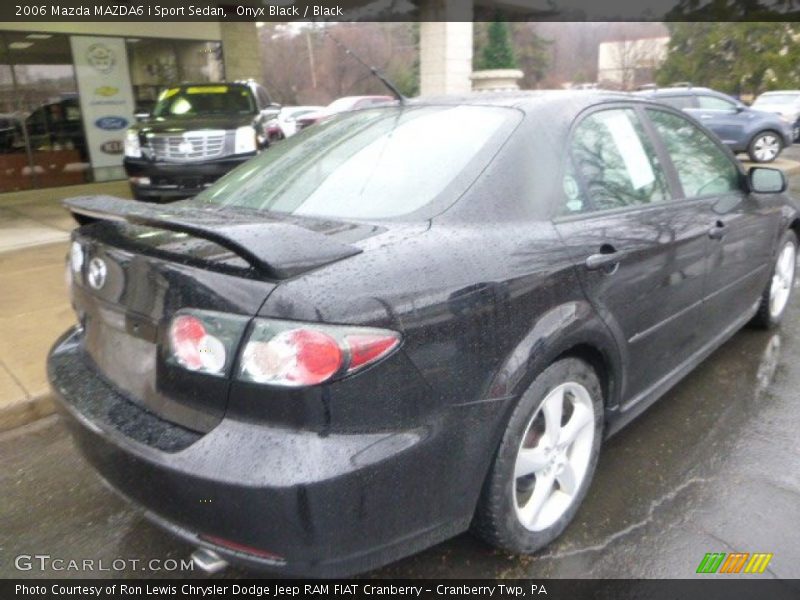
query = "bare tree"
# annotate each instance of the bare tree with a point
(303, 66)
(633, 61)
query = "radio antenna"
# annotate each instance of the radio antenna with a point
(376, 72)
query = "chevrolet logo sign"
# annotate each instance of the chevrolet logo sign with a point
(106, 91)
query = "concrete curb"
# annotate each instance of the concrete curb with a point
(26, 411)
(793, 169)
(789, 167)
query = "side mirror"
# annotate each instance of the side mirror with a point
(763, 180)
(740, 108)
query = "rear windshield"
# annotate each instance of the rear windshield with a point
(370, 164)
(200, 100)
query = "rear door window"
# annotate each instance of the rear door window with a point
(715, 103)
(613, 163)
(703, 167)
(679, 102)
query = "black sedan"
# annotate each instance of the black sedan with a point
(395, 327)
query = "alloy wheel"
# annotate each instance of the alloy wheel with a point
(767, 147)
(782, 280)
(553, 457)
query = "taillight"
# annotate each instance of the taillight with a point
(367, 348)
(204, 341)
(292, 354)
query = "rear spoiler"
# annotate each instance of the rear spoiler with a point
(278, 248)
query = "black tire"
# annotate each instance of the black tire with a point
(496, 519)
(764, 318)
(751, 147)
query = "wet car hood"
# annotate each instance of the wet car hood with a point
(780, 109)
(181, 124)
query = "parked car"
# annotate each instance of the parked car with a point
(285, 123)
(341, 105)
(9, 132)
(56, 125)
(786, 104)
(196, 133)
(762, 135)
(396, 328)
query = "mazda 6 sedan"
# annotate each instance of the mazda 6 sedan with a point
(410, 321)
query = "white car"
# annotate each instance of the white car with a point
(285, 124)
(786, 103)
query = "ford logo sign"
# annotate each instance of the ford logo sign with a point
(111, 123)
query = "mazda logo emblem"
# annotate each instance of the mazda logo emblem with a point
(97, 273)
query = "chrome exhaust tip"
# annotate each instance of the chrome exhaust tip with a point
(208, 560)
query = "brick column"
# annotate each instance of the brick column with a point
(240, 51)
(445, 47)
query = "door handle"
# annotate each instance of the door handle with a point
(717, 231)
(607, 259)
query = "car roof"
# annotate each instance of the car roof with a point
(294, 108)
(529, 101)
(361, 97)
(679, 90)
(185, 84)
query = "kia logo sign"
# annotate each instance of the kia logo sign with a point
(112, 147)
(111, 123)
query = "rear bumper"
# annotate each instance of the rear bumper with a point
(178, 180)
(323, 506)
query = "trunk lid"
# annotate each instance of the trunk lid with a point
(156, 260)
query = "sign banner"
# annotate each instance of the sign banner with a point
(106, 96)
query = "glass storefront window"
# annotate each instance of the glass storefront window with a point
(44, 142)
(156, 64)
(42, 131)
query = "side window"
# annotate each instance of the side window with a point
(703, 167)
(263, 97)
(679, 102)
(613, 158)
(715, 103)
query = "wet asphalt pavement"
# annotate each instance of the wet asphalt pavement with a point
(714, 466)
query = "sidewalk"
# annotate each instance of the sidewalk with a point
(788, 166)
(34, 308)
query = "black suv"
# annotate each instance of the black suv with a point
(196, 133)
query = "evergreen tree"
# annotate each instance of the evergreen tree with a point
(737, 58)
(498, 52)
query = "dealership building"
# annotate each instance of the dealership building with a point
(69, 90)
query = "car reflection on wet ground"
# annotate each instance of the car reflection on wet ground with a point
(711, 467)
